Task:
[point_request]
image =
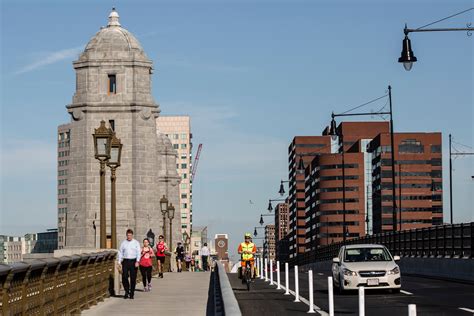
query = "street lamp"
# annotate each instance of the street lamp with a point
(282, 187)
(270, 206)
(114, 163)
(164, 210)
(334, 132)
(407, 57)
(261, 218)
(102, 141)
(390, 113)
(170, 217)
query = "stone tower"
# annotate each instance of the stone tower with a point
(113, 83)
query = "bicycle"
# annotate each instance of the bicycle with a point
(248, 274)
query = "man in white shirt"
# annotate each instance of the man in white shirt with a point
(204, 256)
(129, 257)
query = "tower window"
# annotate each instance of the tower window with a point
(112, 84)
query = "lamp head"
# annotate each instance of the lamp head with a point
(255, 232)
(164, 204)
(333, 128)
(407, 57)
(270, 206)
(282, 189)
(261, 220)
(300, 165)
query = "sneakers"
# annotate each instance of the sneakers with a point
(145, 288)
(149, 287)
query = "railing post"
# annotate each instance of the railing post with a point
(311, 292)
(331, 297)
(361, 301)
(287, 282)
(411, 310)
(266, 270)
(297, 287)
(261, 269)
(271, 271)
(278, 275)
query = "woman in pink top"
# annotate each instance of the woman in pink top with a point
(146, 264)
(160, 254)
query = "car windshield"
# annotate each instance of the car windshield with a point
(366, 254)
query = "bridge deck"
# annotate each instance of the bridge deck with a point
(183, 293)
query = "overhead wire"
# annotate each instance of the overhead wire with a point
(448, 17)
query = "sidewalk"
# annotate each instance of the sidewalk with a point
(183, 293)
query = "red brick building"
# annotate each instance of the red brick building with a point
(418, 178)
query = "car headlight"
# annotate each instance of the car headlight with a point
(348, 272)
(394, 271)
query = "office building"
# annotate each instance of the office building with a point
(64, 135)
(269, 242)
(178, 130)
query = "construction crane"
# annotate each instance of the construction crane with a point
(196, 161)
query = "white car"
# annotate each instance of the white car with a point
(371, 266)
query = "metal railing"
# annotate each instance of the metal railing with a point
(443, 241)
(56, 286)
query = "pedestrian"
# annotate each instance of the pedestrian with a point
(204, 256)
(187, 260)
(193, 265)
(146, 265)
(179, 256)
(128, 258)
(160, 254)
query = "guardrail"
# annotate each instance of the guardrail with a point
(225, 302)
(56, 286)
(443, 241)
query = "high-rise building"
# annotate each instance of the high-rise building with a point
(269, 243)
(306, 148)
(64, 135)
(14, 248)
(418, 181)
(282, 223)
(113, 84)
(178, 130)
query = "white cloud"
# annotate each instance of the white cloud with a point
(51, 58)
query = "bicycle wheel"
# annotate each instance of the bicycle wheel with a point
(248, 279)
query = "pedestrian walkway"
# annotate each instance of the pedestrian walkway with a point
(176, 294)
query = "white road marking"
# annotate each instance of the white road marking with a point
(302, 299)
(467, 309)
(406, 292)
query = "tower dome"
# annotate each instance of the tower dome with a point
(113, 42)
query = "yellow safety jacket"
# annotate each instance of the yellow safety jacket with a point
(247, 247)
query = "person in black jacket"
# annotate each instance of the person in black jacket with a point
(179, 256)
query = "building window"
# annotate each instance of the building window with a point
(184, 166)
(112, 85)
(411, 146)
(184, 175)
(184, 186)
(184, 196)
(435, 148)
(175, 146)
(184, 136)
(184, 205)
(184, 146)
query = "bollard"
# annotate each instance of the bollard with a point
(278, 275)
(297, 288)
(266, 269)
(411, 310)
(271, 272)
(361, 301)
(331, 297)
(261, 268)
(310, 286)
(287, 281)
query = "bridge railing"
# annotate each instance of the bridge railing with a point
(443, 241)
(55, 286)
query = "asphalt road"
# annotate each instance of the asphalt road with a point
(431, 296)
(264, 300)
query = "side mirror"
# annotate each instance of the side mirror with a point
(396, 258)
(336, 260)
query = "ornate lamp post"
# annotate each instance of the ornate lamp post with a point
(164, 209)
(114, 163)
(170, 217)
(102, 141)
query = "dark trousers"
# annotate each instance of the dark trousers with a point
(204, 263)
(129, 269)
(146, 274)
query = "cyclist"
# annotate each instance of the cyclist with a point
(247, 249)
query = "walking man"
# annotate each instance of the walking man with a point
(204, 256)
(129, 258)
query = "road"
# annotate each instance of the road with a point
(432, 297)
(264, 300)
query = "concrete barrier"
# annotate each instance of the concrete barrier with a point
(455, 269)
(231, 306)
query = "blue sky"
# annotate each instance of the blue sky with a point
(252, 74)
